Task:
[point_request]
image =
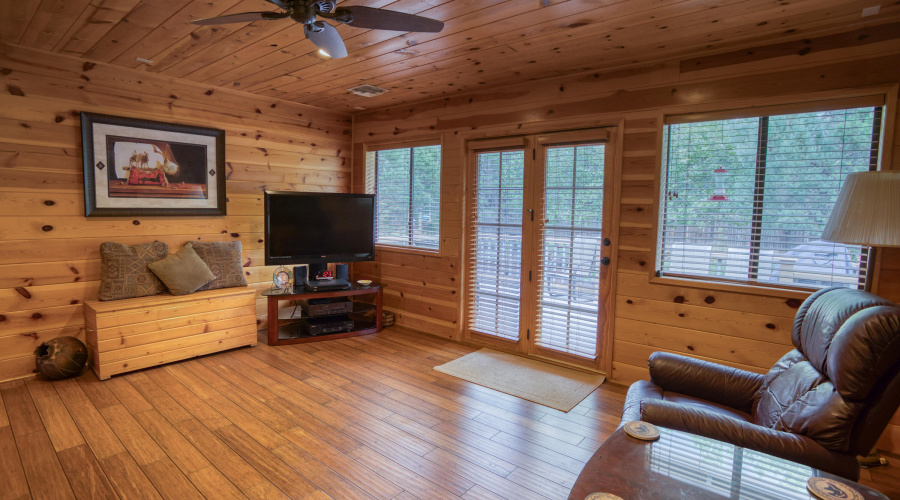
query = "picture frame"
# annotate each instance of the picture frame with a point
(135, 167)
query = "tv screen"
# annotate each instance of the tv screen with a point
(306, 228)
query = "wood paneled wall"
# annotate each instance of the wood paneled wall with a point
(49, 251)
(749, 331)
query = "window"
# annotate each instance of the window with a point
(746, 199)
(407, 187)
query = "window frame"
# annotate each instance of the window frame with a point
(885, 97)
(370, 187)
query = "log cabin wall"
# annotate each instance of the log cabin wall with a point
(749, 331)
(49, 256)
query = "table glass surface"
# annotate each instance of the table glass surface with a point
(683, 465)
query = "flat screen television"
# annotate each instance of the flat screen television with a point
(305, 228)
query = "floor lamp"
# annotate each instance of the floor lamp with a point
(867, 211)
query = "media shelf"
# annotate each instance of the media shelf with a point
(286, 331)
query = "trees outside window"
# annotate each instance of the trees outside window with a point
(407, 187)
(746, 199)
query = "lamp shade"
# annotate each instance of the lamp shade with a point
(867, 211)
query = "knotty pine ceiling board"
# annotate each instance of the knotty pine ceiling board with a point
(484, 44)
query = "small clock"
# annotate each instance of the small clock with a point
(282, 278)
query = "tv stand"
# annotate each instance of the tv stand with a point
(288, 331)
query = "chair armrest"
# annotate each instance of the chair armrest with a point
(794, 447)
(637, 393)
(701, 379)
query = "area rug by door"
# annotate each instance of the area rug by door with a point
(543, 383)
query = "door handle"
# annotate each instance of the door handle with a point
(605, 261)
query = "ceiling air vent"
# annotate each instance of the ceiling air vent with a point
(368, 90)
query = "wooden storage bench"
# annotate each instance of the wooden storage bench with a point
(130, 334)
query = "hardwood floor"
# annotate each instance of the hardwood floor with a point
(356, 418)
(365, 417)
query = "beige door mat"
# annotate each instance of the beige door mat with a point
(543, 383)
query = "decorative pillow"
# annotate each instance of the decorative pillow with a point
(224, 260)
(124, 273)
(182, 272)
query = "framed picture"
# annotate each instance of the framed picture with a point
(140, 167)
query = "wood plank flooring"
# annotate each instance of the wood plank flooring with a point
(363, 418)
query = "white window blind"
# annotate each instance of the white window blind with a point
(407, 187)
(569, 266)
(747, 199)
(496, 244)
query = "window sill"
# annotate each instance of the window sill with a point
(409, 250)
(747, 288)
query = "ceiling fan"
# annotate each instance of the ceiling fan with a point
(322, 34)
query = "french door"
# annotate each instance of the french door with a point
(537, 254)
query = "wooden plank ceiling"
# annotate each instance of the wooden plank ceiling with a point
(485, 43)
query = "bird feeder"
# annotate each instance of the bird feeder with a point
(719, 194)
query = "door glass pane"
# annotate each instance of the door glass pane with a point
(570, 242)
(497, 244)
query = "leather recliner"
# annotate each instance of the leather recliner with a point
(821, 404)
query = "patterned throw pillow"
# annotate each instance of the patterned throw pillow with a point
(182, 272)
(224, 260)
(124, 273)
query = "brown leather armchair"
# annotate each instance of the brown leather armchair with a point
(822, 404)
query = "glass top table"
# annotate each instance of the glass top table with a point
(688, 466)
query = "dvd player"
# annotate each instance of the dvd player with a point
(324, 285)
(325, 307)
(326, 325)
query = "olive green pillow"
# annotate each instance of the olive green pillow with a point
(182, 272)
(124, 273)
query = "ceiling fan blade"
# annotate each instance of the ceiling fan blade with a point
(243, 17)
(324, 36)
(381, 19)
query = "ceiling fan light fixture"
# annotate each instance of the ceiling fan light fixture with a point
(324, 54)
(367, 90)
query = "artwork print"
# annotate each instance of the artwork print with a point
(138, 167)
(153, 169)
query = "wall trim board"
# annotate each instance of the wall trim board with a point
(791, 82)
(861, 36)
